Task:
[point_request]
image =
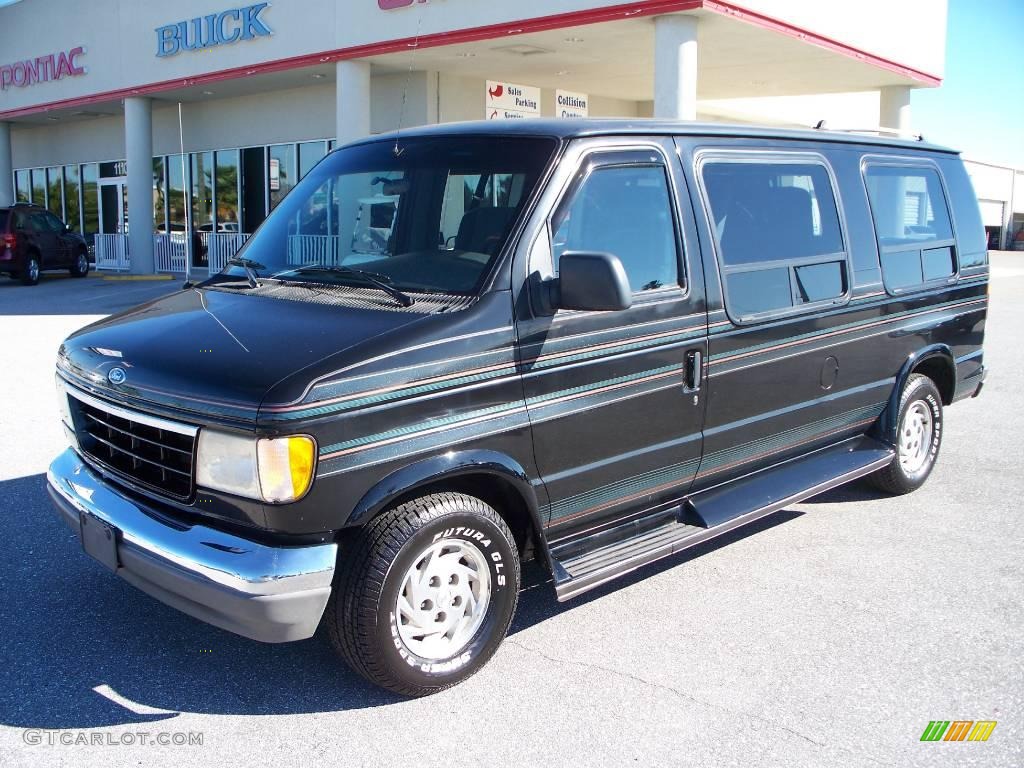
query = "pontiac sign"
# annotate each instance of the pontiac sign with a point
(222, 28)
(42, 69)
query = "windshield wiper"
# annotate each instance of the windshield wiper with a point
(370, 278)
(250, 268)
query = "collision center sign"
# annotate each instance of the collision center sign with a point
(511, 101)
(571, 104)
(42, 69)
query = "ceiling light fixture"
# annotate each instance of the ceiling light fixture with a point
(522, 50)
(574, 39)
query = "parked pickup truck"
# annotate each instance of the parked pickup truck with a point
(589, 343)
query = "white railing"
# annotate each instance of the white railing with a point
(170, 251)
(314, 249)
(112, 252)
(221, 246)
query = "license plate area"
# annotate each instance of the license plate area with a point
(99, 540)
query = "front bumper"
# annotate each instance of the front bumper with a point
(267, 593)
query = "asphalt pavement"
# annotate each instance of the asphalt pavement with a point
(829, 634)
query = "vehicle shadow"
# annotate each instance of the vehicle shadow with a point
(83, 649)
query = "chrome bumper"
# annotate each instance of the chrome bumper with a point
(272, 594)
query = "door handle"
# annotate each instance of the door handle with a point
(694, 370)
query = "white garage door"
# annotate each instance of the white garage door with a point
(992, 212)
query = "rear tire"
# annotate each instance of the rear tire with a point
(30, 274)
(919, 438)
(80, 266)
(425, 593)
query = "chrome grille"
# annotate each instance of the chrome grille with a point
(148, 451)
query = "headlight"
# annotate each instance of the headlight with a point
(275, 470)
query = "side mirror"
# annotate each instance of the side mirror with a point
(593, 281)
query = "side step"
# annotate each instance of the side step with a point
(582, 565)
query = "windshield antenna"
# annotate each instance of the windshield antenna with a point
(405, 90)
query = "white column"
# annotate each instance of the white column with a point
(675, 67)
(353, 100)
(6, 167)
(894, 108)
(138, 142)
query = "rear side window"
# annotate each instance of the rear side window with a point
(625, 210)
(912, 223)
(3, 221)
(777, 226)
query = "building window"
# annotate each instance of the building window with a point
(72, 202)
(780, 244)
(281, 167)
(310, 153)
(175, 194)
(227, 191)
(39, 186)
(55, 188)
(90, 199)
(23, 186)
(159, 196)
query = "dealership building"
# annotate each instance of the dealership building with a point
(138, 123)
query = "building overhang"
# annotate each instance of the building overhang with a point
(605, 51)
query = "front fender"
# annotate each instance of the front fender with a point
(452, 464)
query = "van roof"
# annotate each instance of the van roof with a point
(583, 127)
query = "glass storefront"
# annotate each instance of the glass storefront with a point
(72, 201)
(90, 199)
(310, 153)
(229, 191)
(227, 185)
(39, 186)
(282, 177)
(55, 191)
(176, 205)
(159, 196)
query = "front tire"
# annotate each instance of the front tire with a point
(425, 593)
(80, 266)
(919, 438)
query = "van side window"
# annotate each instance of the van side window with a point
(780, 244)
(915, 237)
(625, 210)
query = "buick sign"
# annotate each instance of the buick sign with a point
(222, 28)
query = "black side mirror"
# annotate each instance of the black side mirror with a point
(593, 281)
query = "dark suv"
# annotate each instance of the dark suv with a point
(33, 240)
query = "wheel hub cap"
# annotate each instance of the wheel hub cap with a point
(916, 437)
(443, 599)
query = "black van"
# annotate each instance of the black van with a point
(589, 343)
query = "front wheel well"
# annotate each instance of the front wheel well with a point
(942, 371)
(495, 491)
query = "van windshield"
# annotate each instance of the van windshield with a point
(429, 216)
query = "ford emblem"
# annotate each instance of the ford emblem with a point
(116, 376)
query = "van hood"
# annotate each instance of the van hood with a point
(216, 352)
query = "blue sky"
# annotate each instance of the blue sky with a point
(979, 109)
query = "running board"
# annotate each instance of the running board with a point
(582, 565)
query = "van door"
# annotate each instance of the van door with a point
(616, 424)
(783, 378)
